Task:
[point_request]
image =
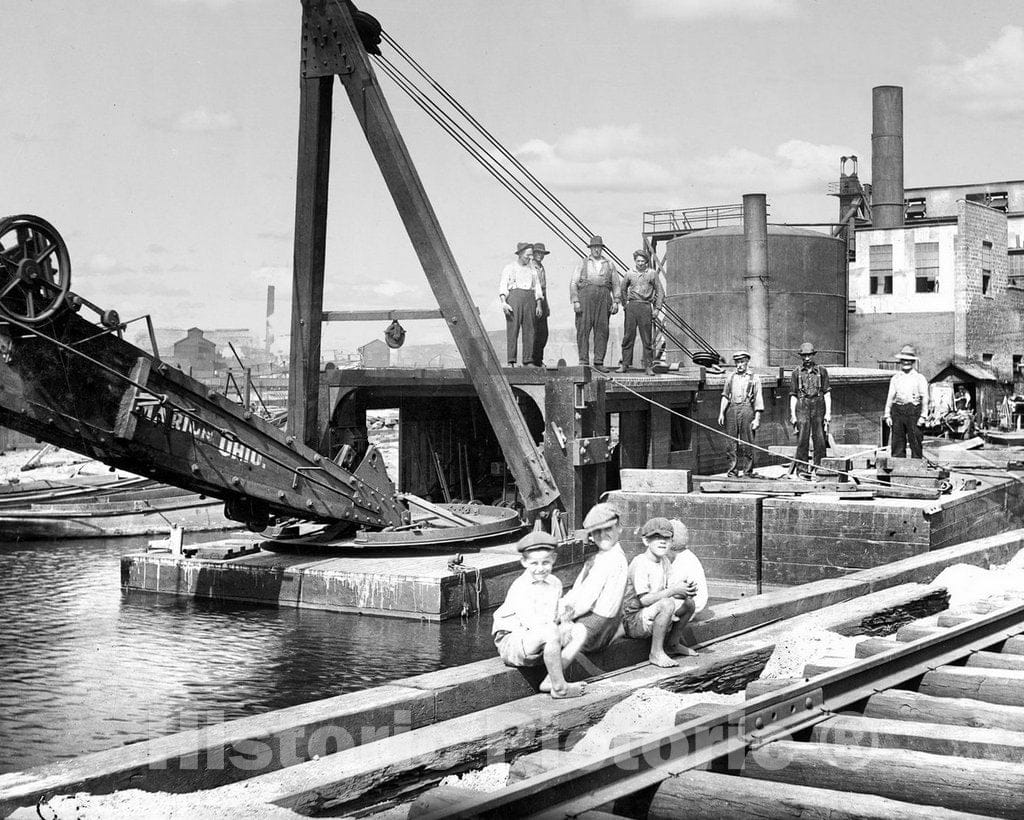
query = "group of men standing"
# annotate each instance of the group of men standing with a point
(596, 291)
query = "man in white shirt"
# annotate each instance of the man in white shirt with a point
(520, 294)
(906, 406)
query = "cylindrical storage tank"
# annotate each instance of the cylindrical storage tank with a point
(807, 293)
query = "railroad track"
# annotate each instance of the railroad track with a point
(927, 726)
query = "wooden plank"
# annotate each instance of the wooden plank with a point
(656, 481)
(1004, 686)
(771, 486)
(124, 424)
(900, 704)
(934, 738)
(711, 796)
(874, 646)
(409, 314)
(964, 784)
(315, 108)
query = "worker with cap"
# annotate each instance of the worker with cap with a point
(810, 408)
(595, 600)
(525, 627)
(595, 295)
(740, 414)
(906, 406)
(540, 325)
(519, 292)
(644, 296)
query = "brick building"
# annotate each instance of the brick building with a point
(944, 281)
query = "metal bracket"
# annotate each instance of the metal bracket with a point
(590, 451)
(321, 47)
(559, 435)
(782, 719)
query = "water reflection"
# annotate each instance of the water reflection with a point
(86, 666)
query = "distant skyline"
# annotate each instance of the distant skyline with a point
(159, 136)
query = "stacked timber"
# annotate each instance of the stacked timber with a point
(911, 472)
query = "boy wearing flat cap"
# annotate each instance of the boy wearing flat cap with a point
(595, 600)
(525, 628)
(652, 608)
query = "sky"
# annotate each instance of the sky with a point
(160, 136)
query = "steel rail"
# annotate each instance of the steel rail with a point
(573, 789)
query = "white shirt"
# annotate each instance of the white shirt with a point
(687, 567)
(519, 277)
(529, 604)
(601, 584)
(908, 388)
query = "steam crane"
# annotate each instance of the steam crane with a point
(76, 383)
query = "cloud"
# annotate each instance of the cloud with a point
(155, 248)
(604, 158)
(795, 167)
(987, 83)
(200, 119)
(389, 288)
(104, 263)
(709, 9)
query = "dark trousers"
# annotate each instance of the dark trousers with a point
(638, 317)
(540, 334)
(904, 429)
(596, 307)
(524, 307)
(810, 419)
(737, 424)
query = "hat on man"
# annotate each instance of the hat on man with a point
(740, 354)
(522, 246)
(643, 253)
(656, 526)
(596, 241)
(539, 249)
(907, 352)
(807, 349)
(600, 516)
(536, 540)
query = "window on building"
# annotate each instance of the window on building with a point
(986, 281)
(986, 358)
(926, 262)
(881, 269)
(1016, 265)
(1017, 359)
(986, 267)
(680, 433)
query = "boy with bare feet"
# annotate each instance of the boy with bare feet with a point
(687, 570)
(595, 600)
(653, 608)
(525, 629)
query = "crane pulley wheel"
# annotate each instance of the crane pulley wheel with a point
(35, 269)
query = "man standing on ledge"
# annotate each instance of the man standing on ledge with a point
(810, 408)
(641, 288)
(540, 325)
(906, 406)
(740, 414)
(594, 293)
(519, 292)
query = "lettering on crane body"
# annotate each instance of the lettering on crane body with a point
(201, 433)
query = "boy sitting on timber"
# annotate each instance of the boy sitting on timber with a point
(525, 630)
(687, 568)
(595, 600)
(653, 607)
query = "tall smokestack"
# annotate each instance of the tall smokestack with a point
(887, 156)
(755, 239)
(269, 338)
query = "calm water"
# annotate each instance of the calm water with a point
(85, 666)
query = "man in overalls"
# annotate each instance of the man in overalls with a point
(594, 293)
(740, 414)
(810, 408)
(519, 292)
(540, 324)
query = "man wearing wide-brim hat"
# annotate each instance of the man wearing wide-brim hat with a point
(594, 293)
(540, 324)
(906, 406)
(519, 293)
(740, 414)
(810, 408)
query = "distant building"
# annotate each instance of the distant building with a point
(945, 281)
(197, 353)
(375, 354)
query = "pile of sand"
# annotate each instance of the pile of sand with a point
(133, 804)
(803, 646)
(968, 584)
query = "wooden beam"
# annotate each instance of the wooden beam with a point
(901, 704)
(1004, 686)
(379, 315)
(987, 787)
(315, 104)
(531, 472)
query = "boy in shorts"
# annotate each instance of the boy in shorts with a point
(654, 608)
(687, 568)
(595, 600)
(525, 630)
